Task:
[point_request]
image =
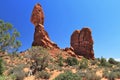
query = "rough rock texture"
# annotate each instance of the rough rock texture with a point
(82, 43)
(41, 37)
(37, 15)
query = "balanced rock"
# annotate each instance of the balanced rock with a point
(41, 37)
(82, 43)
(37, 15)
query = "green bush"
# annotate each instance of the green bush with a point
(112, 76)
(18, 72)
(98, 59)
(10, 77)
(40, 56)
(8, 38)
(117, 72)
(118, 75)
(103, 62)
(68, 76)
(93, 62)
(72, 61)
(105, 74)
(3, 78)
(118, 65)
(60, 61)
(90, 75)
(81, 73)
(112, 61)
(43, 75)
(84, 63)
(1, 66)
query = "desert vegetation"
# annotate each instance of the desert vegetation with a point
(43, 66)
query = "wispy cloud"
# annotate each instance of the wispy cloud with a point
(117, 59)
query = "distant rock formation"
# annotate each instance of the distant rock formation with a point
(41, 37)
(82, 43)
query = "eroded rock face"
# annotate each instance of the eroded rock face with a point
(41, 37)
(82, 43)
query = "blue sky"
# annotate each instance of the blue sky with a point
(62, 17)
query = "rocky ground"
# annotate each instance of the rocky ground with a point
(39, 63)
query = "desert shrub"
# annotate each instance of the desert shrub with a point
(103, 62)
(40, 56)
(112, 75)
(118, 75)
(54, 67)
(71, 61)
(93, 62)
(68, 76)
(10, 77)
(3, 77)
(60, 61)
(81, 73)
(108, 65)
(18, 72)
(83, 63)
(1, 66)
(118, 65)
(43, 62)
(105, 74)
(112, 61)
(98, 59)
(117, 72)
(43, 75)
(91, 75)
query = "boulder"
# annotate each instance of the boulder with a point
(37, 15)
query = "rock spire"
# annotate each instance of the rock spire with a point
(41, 37)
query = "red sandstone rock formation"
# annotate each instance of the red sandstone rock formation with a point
(41, 37)
(37, 15)
(82, 43)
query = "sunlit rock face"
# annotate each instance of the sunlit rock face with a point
(82, 43)
(37, 15)
(41, 37)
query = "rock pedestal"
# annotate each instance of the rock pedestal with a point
(41, 37)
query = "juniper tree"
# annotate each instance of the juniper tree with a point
(8, 38)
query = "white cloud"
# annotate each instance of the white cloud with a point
(117, 59)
